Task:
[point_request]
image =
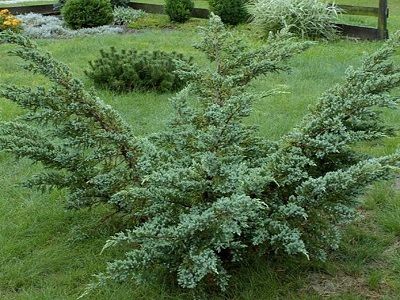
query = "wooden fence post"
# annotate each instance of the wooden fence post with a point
(382, 19)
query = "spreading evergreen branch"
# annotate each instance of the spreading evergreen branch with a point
(68, 129)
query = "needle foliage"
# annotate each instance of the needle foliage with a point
(208, 191)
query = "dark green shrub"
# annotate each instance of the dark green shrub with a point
(231, 12)
(115, 3)
(87, 13)
(131, 70)
(179, 10)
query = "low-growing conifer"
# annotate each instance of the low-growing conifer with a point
(209, 189)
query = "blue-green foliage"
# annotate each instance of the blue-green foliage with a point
(208, 191)
(84, 144)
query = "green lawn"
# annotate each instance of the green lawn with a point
(47, 252)
(26, 3)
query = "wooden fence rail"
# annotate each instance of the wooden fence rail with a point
(358, 10)
(47, 9)
(362, 32)
(381, 12)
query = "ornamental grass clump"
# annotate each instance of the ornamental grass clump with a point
(127, 70)
(306, 18)
(209, 190)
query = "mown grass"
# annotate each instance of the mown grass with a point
(47, 252)
(26, 3)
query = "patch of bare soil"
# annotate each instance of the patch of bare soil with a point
(393, 250)
(331, 286)
(397, 183)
